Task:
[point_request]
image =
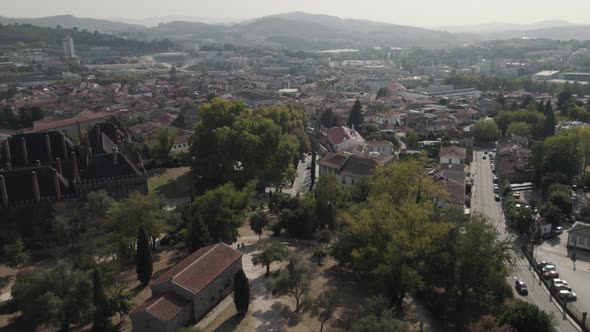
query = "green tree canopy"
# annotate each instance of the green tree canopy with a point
(60, 296)
(527, 317)
(234, 144)
(486, 131)
(258, 222)
(126, 216)
(270, 251)
(521, 129)
(295, 280)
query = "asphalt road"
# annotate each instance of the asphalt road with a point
(483, 202)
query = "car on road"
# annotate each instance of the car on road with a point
(543, 263)
(432, 171)
(548, 267)
(558, 230)
(497, 198)
(548, 235)
(516, 194)
(485, 152)
(550, 275)
(567, 295)
(521, 287)
(484, 158)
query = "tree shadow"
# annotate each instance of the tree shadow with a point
(138, 289)
(230, 324)
(179, 187)
(272, 318)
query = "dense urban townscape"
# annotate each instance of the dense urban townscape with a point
(296, 172)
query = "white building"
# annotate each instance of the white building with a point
(545, 75)
(579, 236)
(68, 44)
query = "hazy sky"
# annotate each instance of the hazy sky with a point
(407, 12)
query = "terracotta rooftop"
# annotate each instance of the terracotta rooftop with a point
(202, 267)
(340, 134)
(68, 122)
(164, 307)
(452, 152)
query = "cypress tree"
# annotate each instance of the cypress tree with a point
(241, 292)
(356, 117)
(143, 259)
(102, 312)
(549, 124)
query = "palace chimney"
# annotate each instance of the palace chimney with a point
(115, 157)
(7, 152)
(23, 145)
(56, 187)
(36, 187)
(3, 191)
(75, 166)
(64, 147)
(58, 165)
(48, 148)
(79, 130)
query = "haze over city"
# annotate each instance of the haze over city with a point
(426, 13)
(295, 165)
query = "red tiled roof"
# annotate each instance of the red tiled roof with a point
(333, 160)
(339, 134)
(199, 269)
(164, 307)
(68, 122)
(455, 151)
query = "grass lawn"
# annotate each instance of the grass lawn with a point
(172, 183)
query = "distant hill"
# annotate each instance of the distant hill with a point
(156, 20)
(501, 27)
(310, 32)
(579, 32)
(69, 21)
(302, 31)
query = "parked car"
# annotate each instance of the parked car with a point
(521, 287)
(543, 263)
(495, 179)
(567, 295)
(485, 152)
(484, 158)
(432, 171)
(497, 197)
(548, 267)
(558, 230)
(560, 287)
(548, 235)
(550, 275)
(559, 281)
(516, 194)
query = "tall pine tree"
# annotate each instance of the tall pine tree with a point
(143, 259)
(241, 292)
(549, 124)
(356, 117)
(102, 311)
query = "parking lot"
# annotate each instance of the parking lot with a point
(555, 250)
